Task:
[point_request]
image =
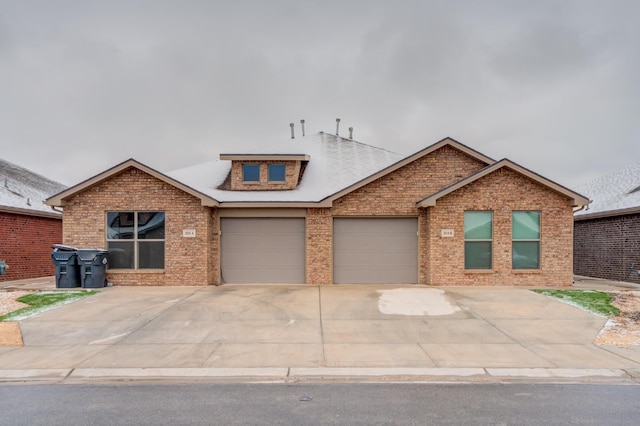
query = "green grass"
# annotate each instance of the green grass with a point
(43, 301)
(593, 301)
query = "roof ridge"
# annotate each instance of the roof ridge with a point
(360, 143)
(29, 172)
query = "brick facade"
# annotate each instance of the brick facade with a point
(195, 261)
(26, 245)
(188, 261)
(608, 247)
(501, 192)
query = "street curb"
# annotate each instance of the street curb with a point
(282, 374)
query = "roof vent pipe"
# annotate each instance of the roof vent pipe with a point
(302, 124)
(337, 126)
(350, 132)
(292, 135)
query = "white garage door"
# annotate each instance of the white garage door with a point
(375, 250)
(262, 250)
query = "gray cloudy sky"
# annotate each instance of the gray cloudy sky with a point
(552, 85)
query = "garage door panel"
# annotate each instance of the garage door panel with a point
(262, 250)
(375, 250)
(397, 259)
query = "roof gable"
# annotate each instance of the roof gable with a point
(61, 198)
(411, 158)
(575, 199)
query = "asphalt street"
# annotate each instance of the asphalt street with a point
(313, 404)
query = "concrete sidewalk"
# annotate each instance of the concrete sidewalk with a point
(290, 333)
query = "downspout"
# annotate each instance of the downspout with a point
(56, 210)
(580, 209)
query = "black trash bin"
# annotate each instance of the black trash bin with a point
(65, 260)
(93, 267)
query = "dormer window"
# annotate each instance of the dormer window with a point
(277, 172)
(251, 172)
(264, 172)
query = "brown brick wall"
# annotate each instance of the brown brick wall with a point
(502, 192)
(319, 253)
(188, 261)
(25, 244)
(395, 194)
(608, 247)
(398, 192)
(195, 261)
(292, 171)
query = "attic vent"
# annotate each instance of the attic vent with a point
(6, 186)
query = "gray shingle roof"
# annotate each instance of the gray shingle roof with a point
(334, 164)
(618, 191)
(22, 189)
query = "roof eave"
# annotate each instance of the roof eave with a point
(275, 204)
(60, 199)
(574, 199)
(609, 213)
(265, 157)
(29, 212)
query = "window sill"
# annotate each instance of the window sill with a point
(136, 271)
(479, 271)
(526, 271)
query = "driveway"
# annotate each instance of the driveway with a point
(235, 326)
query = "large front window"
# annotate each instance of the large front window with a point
(525, 235)
(135, 240)
(478, 235)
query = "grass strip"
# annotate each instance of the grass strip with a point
(593, 301)
(42, 301)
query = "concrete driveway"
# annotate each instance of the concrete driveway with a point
(343, 326)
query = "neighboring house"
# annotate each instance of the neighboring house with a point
(28, 227)
(323, 209)
(607, 233)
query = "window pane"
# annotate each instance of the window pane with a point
(120, 254)
(477, 225)
(526, 255)
(120, 226)
(276, 172)
(477, 255)
(251, 172)
(525, 225)
(151, 226)
(151, 255)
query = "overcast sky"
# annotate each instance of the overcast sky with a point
(551, 85)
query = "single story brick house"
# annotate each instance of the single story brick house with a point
(607, 232)
(28, 227)
(323, 209)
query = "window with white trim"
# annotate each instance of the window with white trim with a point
(136, 240)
